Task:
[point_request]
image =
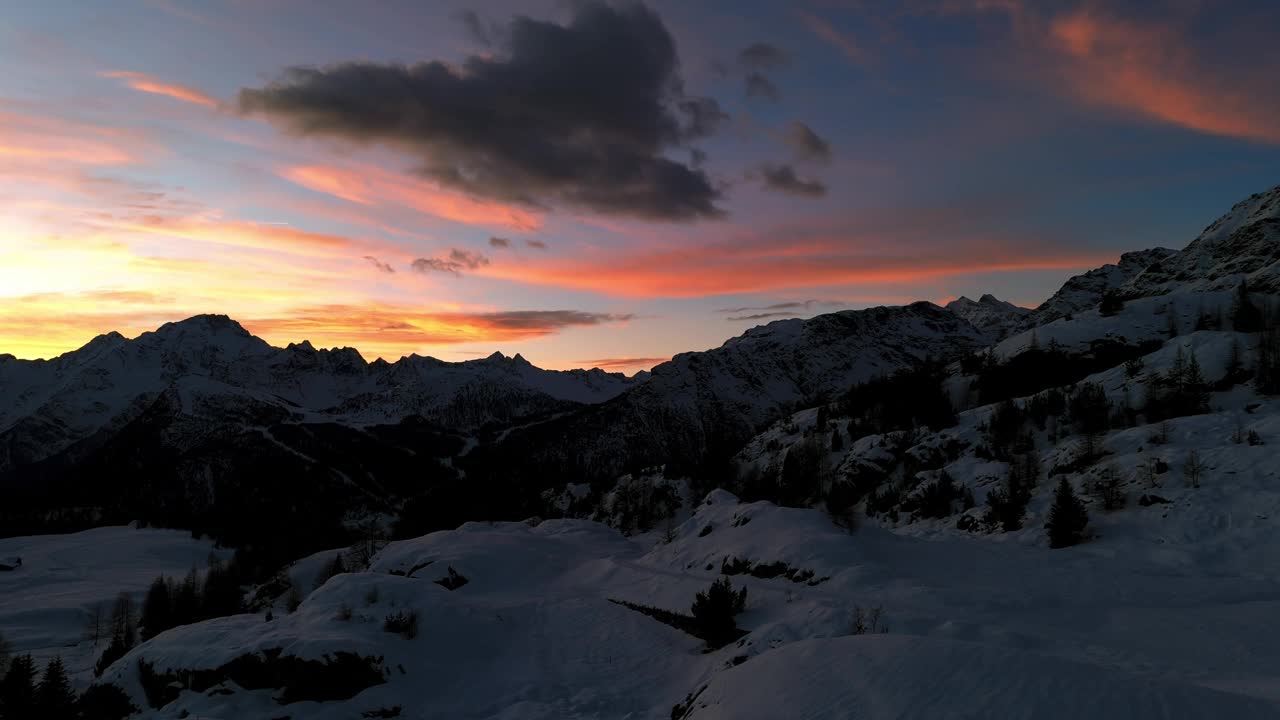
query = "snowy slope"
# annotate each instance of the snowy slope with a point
(976, 628)
(45, 604)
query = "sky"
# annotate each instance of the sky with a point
(594, 184)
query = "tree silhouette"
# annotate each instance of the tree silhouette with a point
(18, 690)
(1067, 517)
(54, 696)
(714, 610)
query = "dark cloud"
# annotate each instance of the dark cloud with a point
(549, 319)
(379, 264)
(763, 55)
(758, 85)
(536, 244)
(455, 262)
(783, 179)
(581, 115)
(789, 305)
(806, 143)
(499, 242)
(481, 30)
(760, 316)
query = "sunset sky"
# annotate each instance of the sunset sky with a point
(600, 185)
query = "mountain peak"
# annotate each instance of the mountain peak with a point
(1243, 244)
(205, 324)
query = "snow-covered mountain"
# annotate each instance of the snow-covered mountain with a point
(1085, 291)
(108, 381)
(988, 313)
(887, 484)
(705, 403)
(1243, 244)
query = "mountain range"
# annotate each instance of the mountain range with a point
(164, 408)
(889, 484)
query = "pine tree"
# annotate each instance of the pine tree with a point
(1172, 328)
(1245, 316)
(18, 690)
(54, 696)
(837, 440)
(186, 599)
(1177, 376)
(714, 610)
(1195, 389)
(104, 702)
(1067, 517)
(333, 567)
(4, 655)
(157, 609)
(1235, 361)
(221, 589)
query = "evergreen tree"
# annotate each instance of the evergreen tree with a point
(18, 690)
(334, 567)
(837, 440)
(1195, 390)
(115, 650)
(4, 655)
(186, 599)
(1067, 517)
(221, 595)
(1235, 361)
(714, 610)
(1177, 376)
(157, 609)
(1245, 316)
(104, 702)
(54, 696)
(1172, 329)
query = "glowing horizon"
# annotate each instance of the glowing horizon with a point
(388, 190)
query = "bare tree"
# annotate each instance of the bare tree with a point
(124, 621)
(1193, 469)
(1106, 488)
(93, 624)
(868, 621)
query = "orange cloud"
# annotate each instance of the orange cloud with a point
(239, 233)
(1149, 68)
(49, 323)
(390, 331)
(370, 185)
(623, 364)
(764, 267)
(149, 84)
